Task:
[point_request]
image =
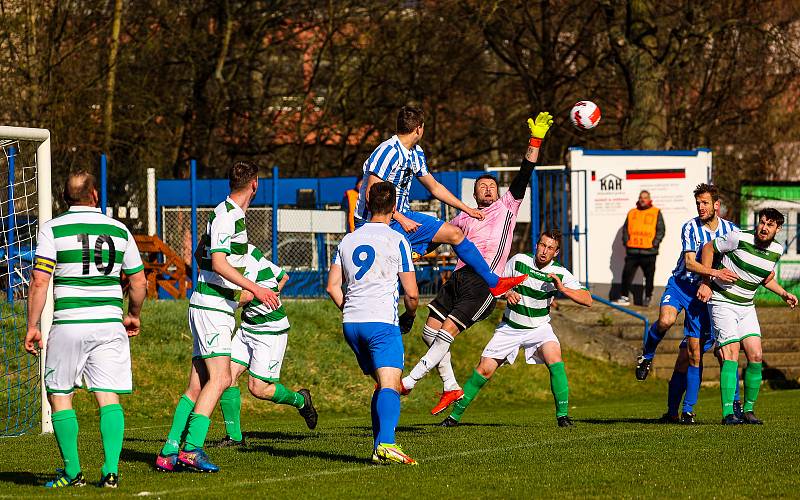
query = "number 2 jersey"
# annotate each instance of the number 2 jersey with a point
(85, 251)
(371, 257)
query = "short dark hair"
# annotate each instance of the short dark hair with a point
(409, 118)
(707, 188)
(553, 234)
(381, 198)
(78, 187)
(241, 174)
(486, 176)
(770, 213)
(643, 191)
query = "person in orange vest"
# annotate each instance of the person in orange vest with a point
(641, 234)
(349, 203)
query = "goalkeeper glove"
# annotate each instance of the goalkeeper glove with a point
(539, 127)
(406, 322)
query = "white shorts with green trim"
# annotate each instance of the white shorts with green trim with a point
(211, 332)
(261, 353)
(97, 354)
(732, 323)
(507, 341)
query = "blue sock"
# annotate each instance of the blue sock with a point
(736, 394)
(693, 379)
(388, 408)
(376, 423)
(677, 385)
(468, 252)
(651, 341)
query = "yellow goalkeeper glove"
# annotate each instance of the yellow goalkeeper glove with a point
(539, 127)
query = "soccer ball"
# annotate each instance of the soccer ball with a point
(585, 115)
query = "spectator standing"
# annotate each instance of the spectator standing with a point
(641, 234)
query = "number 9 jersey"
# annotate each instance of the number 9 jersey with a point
(85, 251)
(371, 257)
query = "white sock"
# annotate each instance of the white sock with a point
(435, 354)
(428, 335)
(447, 374)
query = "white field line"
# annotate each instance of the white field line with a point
(228, 484)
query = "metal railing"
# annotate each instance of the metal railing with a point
(625, 310)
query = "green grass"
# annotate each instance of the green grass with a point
(508, 446)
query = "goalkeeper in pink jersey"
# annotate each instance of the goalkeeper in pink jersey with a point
(465, 298)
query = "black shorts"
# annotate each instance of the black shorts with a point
(465, 298)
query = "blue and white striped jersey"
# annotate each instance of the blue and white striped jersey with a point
(693, 236)
(392, 162)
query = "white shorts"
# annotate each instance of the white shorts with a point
(732, 323)
(95, 353)
(262, 353)
(506, 342)
(211, 333)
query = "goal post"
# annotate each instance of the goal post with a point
(27, 202)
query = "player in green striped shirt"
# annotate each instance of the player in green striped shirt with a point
(526, 325)
(214, 300)
(752, 256)
(258, 347)
(85, 251)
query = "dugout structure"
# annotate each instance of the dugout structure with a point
(25, 202)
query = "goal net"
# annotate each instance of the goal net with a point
(25, 201)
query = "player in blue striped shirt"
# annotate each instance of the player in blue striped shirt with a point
(398, 160)
(681, 294)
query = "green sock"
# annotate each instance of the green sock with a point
(198, 429)
(65, 427)
(179, 422)
(752, 384)
(558, 384)
(471, 388)
(112, 430)
(727, 385)
(231, 405)
(284, 396)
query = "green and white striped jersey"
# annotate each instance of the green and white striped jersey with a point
(226, 233)
(258, 317)
(751, 264)
(537, 290)
(85, 251)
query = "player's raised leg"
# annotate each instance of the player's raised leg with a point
(667, 315)
(451, 391)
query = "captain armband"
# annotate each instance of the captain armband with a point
(44, 264)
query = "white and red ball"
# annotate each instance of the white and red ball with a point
(585, 115)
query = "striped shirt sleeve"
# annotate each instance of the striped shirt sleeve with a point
(222, 230)
(45, 260)
(406, 264)
(570, 281)
(727, 243)
(421, 166)
(688, 238)
(132, 259)
(381, 161)
(509, 270)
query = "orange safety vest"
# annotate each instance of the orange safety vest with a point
(352, 199)
(642, 227)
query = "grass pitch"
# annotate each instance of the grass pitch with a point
(508, 446)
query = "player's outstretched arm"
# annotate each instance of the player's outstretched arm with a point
(773, 286)
(444, 195)
(334, 287)
(221, 266)
(37, 295)
(538, 128)
(704, 267)
(578, 295)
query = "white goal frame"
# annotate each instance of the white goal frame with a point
(45, 213)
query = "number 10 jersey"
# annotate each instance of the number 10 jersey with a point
(85, 251)
(371, 257)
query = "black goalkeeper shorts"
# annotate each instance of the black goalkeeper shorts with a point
(465, 298)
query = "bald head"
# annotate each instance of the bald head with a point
(80, 188)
